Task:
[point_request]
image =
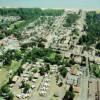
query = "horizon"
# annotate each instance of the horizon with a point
(69, 4)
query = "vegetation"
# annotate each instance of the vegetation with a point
(92, 29)
(26, 15)
(42, 70)
(34, 70)
(20, 70)
(25, 86)
(95, 69)
(98, 45)
(69, 95)
(71, 19)
(6, 93)
(48, 55)
(10, 55)
(3, 76)
(63, 71)
(8, 71)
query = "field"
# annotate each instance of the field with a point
(3, 76)
(4, 72)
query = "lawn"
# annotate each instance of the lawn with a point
(11, 27)
(15, 65)
(3, 76)
(52, 55)
(4, 71)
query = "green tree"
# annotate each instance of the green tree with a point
(63, 71)
(6, 93)
(69, 95)
(26, 88)
(42, 70)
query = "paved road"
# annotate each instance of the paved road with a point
(84, 83)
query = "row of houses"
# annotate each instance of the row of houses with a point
(73, 78)
(94, 89)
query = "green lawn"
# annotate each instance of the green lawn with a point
(11, 27)
(4, 71)
(52, 55)
(3, 76)
(15, 65)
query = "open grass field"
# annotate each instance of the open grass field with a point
(3, 76)
(11, 27)
(15, 65)
(5, 71)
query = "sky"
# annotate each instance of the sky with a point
(94, 4)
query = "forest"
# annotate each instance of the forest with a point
(92, 29)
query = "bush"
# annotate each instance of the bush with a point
(26, 88)
(63, 71)
(98, 45)
(6, 90)
(34, 70)
(42, 70)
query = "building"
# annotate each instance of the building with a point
(72, 79)
(97, 60)
(78, 59)
(76, 89)
(15, 78)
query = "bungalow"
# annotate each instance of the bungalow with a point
(78, 59)
(97, 60)
(72, 79)
(36, 75)
(15, 78)
(74, 70)
(76, 89)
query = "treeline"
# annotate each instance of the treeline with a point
(10, 55)
(95, 70)
(92, 28)
(26, 13)
(48, 55)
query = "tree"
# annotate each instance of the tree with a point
(34, 70)
(2, 36)
(95, 70)
(42, 70)
(26, 88)
(18, 54)
(92, 29)
(30, 78)
(69, 95)
(98, 45)
(71, 19)
(47, 68)
(63, 71)
(20, 70)
(6, 93)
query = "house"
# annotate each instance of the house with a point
(97, 60)
(15, 78)
(36, 75)
(76, 89)
(93, 87)
(72, 79)
(77, 50)
(74, 70)
(78, 59)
